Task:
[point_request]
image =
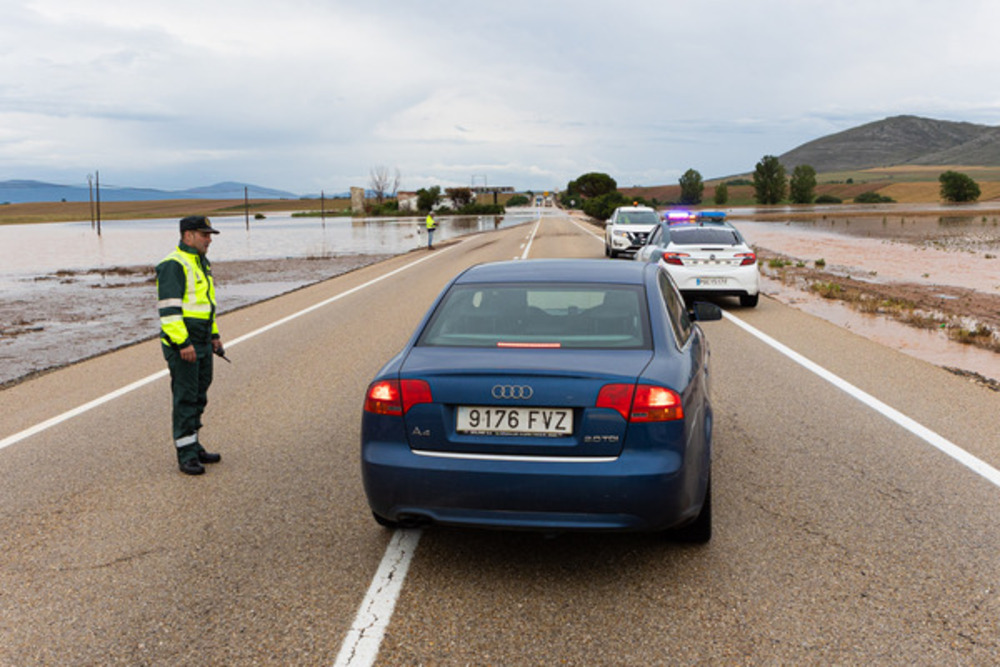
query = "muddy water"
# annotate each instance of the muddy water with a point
(67, 294)
(932, 345)
(75, 245)
(931, 257)
(959, 251)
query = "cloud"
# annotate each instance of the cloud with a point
(309, 95)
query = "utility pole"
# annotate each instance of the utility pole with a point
(322, 205)
(246, 206)
(90, 187)
(98, 202)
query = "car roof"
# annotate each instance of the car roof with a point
(635, 208)
(698, 225)
(556, 271)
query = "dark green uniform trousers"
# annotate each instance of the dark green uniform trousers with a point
(189, 384)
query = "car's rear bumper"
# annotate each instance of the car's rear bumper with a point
(737, 280)
(634, 491)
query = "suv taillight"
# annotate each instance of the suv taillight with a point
(641, 403)
(396, 397)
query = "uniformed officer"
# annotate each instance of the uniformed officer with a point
(431, 226)
(189, 336)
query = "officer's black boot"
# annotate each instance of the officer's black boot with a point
(187, 461)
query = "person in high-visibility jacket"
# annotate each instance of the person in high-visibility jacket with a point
(189, 336)
(431, 226)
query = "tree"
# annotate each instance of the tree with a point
(721, 194)
(803, 184)
(958, 187)
(382, 183)
(769, 181)
(593, 184)
(603, 206)
(427, 198)
(692, 187)
(460, 197)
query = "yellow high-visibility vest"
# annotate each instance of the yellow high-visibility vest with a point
(197, 303)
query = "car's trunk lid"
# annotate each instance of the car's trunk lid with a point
(509, 402)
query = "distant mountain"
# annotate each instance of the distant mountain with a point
(900, 140)
(21, 191)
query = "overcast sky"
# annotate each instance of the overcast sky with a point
(310, 95)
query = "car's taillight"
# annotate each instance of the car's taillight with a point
(396, 397)
(675, 258)
(748, 258)
(641, 403)
(656, 404)
(617, 397)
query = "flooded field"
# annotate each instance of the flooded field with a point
(947, 266)
(67, 293)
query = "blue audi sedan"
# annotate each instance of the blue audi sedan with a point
(554, 395)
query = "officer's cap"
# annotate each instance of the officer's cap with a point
(197, 223)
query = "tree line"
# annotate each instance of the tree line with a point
(597, 193)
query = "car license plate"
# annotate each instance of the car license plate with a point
(711, 282)
(514, 421)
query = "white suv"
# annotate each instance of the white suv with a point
(627, 228)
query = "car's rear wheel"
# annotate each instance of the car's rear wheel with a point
(698, 531)
(749, 300)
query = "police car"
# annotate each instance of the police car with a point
(704, 254)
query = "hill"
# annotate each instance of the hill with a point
(23, 191)
(898, 141)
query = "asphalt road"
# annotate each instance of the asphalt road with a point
(840, 536)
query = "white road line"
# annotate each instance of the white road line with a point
(973, 463)
(531, 239)
(595, 235)
(86, 407)
(361, 646)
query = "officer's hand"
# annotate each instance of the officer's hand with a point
(188, 354)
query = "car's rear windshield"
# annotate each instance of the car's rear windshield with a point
(637, 218)
(704, 236)
(540, 316)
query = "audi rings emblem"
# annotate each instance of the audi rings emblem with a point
(513, 391)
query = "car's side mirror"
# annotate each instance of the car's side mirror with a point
(703, 311)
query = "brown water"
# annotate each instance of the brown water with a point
(930, 250)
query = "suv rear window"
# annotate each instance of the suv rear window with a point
(704, 236)
(540, 315)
